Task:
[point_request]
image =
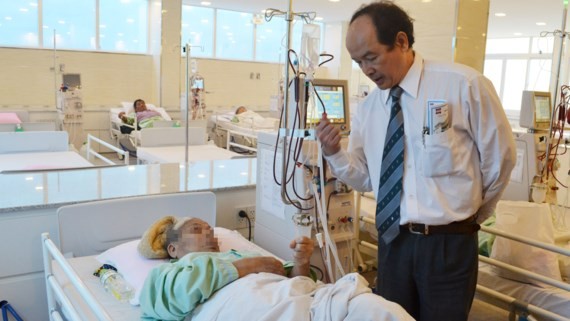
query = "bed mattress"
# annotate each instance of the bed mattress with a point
(44, 160)
(176, 154)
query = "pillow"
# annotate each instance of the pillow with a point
(9, 118)
(130, 264)
(134, 267)
(532, 221)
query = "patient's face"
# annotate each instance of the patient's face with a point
(195, 236)
(140, 106)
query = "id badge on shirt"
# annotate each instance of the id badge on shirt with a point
(438, 119)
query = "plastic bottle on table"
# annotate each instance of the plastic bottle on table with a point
(115, 284)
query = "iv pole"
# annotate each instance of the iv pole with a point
(186, 116)
(562, 34)
(269, 13)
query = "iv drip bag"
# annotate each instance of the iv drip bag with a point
(310, 48)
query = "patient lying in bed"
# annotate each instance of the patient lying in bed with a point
(248, 118)
(199, 272)
(198, 269)
(143, 116)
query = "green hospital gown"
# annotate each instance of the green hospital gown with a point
(172, 290)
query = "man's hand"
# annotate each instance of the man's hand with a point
(329, 136)
(302, 250)
(122, 116)
(259, 264)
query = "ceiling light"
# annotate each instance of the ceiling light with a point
(517, 34)
(334, 0)
(426, 1)
(541, 23)
(500, 14)
(318, 18)
(205, 3)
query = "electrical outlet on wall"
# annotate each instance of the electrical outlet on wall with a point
(241, 222)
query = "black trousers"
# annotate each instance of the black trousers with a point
(432, 277)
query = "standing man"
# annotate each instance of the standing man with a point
(434, 144)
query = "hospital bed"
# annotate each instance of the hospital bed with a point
(548, 302)
(134, 135)
(239, 136)
(14, 116)
(29, 127)
(167, 145)
(38, 151)
(102, 230)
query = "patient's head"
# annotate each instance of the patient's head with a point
(173, 237)
(139, 105)
(240, 110)
(193, 235)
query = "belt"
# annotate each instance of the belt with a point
(467, 226)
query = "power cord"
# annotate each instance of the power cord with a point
(243, 214)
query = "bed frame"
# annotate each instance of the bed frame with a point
(239, 139)
(515, 306)
(91, 228)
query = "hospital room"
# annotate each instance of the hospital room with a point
(276, 160)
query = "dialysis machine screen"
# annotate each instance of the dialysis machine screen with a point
(334, 95)
(536, 109)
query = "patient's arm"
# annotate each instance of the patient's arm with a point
(259, 264)
(302, 250)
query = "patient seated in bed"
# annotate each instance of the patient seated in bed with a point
(198, 269)
(260, 290)
(143, 116)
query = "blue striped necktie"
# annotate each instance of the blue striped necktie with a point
(391, 173)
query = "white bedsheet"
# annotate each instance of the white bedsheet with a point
(270, 297)
(248, 125)
(549, 298)
(44, 160)
(176, 154)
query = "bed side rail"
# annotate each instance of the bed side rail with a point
(513, 303)
(55, 292)
(91, 151)
(233, 133)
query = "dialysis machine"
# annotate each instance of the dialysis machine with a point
(276, 223)
(70, 109)
(533, 179)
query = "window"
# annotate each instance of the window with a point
(539, 72)
(73, 22)
(517, 64)
(270, 38)
(234, 35)
(508, 45)
(515, 75)
(198, 30)
(494, 71)
(19, 23)
(123, 25)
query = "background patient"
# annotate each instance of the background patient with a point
(198, 269)
(144, 116)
